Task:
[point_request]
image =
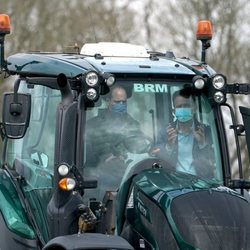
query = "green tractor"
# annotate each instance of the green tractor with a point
(83, 167)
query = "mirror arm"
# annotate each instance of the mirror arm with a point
(3, 63)
(16, 87)
(239, 183)
(238, 88)
(16, 108)
(2, 133)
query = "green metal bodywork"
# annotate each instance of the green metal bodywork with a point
(161, 187)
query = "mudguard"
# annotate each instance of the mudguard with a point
(87, 241)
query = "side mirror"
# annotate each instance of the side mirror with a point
(16, 114)
(245, 112)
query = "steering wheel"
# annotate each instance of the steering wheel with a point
(136, 144)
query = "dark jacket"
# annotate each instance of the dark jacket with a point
(104, 134)
(203, 157)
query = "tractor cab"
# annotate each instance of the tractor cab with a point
(96, 154)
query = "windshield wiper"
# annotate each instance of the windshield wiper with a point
(16, 181)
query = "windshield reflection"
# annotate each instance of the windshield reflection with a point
(132, 123)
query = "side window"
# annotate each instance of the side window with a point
(38, 142)
(205, 115)
(227, 118)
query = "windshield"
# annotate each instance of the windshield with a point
(134, 121)
(141, 119)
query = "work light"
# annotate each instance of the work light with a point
(109, 79)
(219, 81)
(199, 82)
(91, 94)
(63, 169)
(219, 97)
(92, 78)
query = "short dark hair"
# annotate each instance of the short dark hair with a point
(186, 93)
(109, 96)
(126, 89)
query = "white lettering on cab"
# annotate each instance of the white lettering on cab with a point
(148, 87)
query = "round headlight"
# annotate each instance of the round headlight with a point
(92, 78)
(219, 97)
(91, 94)
(199, 83)
(63, 170)
(219, 81)
(110, 80)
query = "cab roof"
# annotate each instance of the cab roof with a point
(72, 65)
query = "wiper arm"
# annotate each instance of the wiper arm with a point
(16, 181)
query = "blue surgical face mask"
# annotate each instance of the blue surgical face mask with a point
(120, 108)
(183, 114)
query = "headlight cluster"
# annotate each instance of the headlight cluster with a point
(219, 86)
(93, 81)
(66, 183)
(216, 85)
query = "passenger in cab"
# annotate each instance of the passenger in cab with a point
(186, 144)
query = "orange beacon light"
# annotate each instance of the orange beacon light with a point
(4, 24)
(204, 30)
(4, 30)
(204, 34)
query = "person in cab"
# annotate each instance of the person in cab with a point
(109, 128)
(186, 143)
(106, 153)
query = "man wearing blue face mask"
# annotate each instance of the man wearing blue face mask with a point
(117, 104)
(110, 127)
(106, 150)
(186, 144)
(118, 101)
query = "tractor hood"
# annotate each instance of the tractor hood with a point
(193, 213)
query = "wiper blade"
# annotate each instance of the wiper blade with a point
(16, 181)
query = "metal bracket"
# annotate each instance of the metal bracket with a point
(238, 88)
(2, 132)
(239, 128)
